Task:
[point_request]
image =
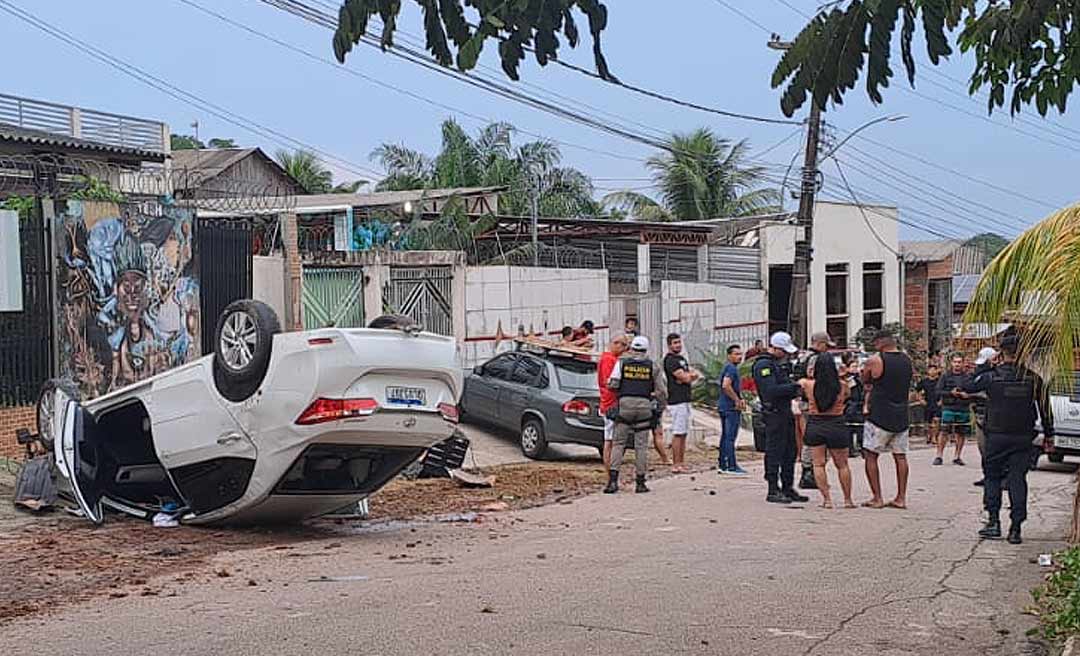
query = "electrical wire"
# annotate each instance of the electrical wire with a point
(176, 92)
(862, 210)
(746, 17)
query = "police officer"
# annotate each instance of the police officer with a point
(1013, 396)
(642, 391)
(773, 380)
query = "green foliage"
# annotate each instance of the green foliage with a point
(711, 366)
(24, 205)
(700, 176)
(1057, 601)
(909, 341)
(490, 159)
(1028, 45)
(184, 142)
(989, 244)
(514, 24)
(96, 189)
(348, 187)
(221, 143)
(306, 168)
(454, 230)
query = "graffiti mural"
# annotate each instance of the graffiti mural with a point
(128, 292)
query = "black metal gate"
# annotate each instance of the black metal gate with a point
(224, 252)
(26, 337)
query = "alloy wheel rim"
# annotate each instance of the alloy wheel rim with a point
(239, 338)
(529, 437)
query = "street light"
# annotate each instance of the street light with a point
(883, 119)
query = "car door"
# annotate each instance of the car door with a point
(482, 389)
(79, 457)
(520, 390)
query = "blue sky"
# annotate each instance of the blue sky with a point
(699, 50)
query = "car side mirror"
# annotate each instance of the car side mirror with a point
(478, 370)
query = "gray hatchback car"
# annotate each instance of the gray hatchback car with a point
(544, 396)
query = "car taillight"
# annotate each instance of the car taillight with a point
(320, 341)
(576, 407)
(449, 412)
(324, 410)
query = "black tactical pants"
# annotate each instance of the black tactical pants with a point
(779, 449)
(1005, 464)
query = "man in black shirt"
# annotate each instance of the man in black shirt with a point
(679, 378)
(887, 376)
(932, 413)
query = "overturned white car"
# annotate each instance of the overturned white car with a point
(272, 427)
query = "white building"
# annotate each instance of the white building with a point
(855, 273)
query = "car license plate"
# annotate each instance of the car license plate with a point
(1067, 442)
(406, 396)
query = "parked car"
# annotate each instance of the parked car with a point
(544, 395)
(272, 427)
(1065, 404)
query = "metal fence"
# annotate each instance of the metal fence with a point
(101, 127)
(224, 249)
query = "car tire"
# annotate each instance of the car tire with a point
(533, 441)
(1056, 458)
(242, 343)
(46, 409)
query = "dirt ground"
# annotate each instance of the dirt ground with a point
(56, 559)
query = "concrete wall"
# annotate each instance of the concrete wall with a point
(843, 236)
(268, 282)
(709, 316)
(500, 301)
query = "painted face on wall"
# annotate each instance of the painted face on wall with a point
(131, 295)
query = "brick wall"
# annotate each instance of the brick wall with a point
(12, 419)
(915, 290)
(941, 269)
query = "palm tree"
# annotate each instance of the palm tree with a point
(306, 168)
(700, 176)
(1035, 284)
(490, 159)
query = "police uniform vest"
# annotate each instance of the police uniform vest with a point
(637, 378)
(1010, 404)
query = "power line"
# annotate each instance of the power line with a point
(795, 9)
(747, 17)
(176, 92)
(862, 210)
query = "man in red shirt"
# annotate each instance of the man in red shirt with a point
(608, 397)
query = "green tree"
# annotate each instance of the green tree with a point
(306, 168)
(221, 143)
(490, 159)
(1029, 46)
(700, 176)
(348, 187)
(989, 243)
(184, 142)
(517, 26)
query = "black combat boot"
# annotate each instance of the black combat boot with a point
(992, 530)
(775, 496)
(612, 482)
(794, 496)
(807, 481)
(641, 484)
(1014, 535)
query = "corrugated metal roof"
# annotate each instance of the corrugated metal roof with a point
(963, 287)
(16, 134)
(928, 251)
(329, 203)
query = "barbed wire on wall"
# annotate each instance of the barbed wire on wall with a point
(548, 256)
(78, 178)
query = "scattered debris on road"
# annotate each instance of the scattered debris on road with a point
(471, 479)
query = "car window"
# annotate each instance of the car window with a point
(576, 376)
(500, 367)
(527, 371)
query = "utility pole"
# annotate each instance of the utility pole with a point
(798, 305)
(804, 248)
(534, 201)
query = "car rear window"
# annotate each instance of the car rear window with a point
(574, 375)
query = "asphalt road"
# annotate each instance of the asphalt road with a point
(699, 566)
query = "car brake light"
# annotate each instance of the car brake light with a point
(576, 407)
(324, 410)
(449, 412)
(320, 341)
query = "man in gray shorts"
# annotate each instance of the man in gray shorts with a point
(887, 375)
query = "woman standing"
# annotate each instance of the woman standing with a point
(826, 428)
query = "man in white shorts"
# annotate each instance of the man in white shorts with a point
(679, 379)
(887, 375)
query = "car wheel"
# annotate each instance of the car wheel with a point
(245, 333)
(1056, 458)
(533, 442)
(47, 405)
